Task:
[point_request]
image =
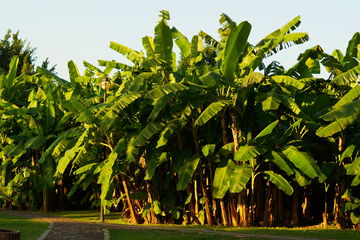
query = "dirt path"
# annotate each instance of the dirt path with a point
(68, 229)
(64, 228)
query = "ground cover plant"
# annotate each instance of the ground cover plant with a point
(213, 136)
(30, 229)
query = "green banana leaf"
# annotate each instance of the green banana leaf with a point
(49, 75)
(281, 162)
(159, 105)
(288, 132)
(343, 111)
(149, 46)
(163, 42)
(182, 42)
(222, 176)
(138, 81)
(186, 171)
(247, 152)
(354, 167)
(48, 109)
(127, 52)
(10, 77)
(326, 169)
(233, 49)
(348, 97)
(35, 142)
(166, 89)
(151, 129)
(337, 126)
(240, 177)
(279, 181)
(154, 160)
(356, 180)
(124, 101)
(73, 72)
(84, 114)
(302, 160)
(114, 64)
(349, 77)
(170, 127)
(287, 80)
(212, 110)
(265, 133)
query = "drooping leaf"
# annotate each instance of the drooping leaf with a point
(212, 110)
(302, 160)
(182, 42)
(138, 81)
(153, 162)
(337, 126)
(240, 177)
(127, 52)
(35, 142)
(280, 182)
(281, 162)
(208, 149)
(349, 77)
(248, 152)
(170, 127)
(354, 167)
(114, 64)
(261, 137)
(326, 169)
(222, 177)
(186, 172)
(287, 80)
(166, 89)
(149, 46)
(288, 131)
(348, 97)
(345, 110)
(356, 180)
(152, 128)
(160, 104)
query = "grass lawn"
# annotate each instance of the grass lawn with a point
(30, 229)
(116, 218)
(117, 234)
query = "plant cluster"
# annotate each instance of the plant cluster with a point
(219, 139)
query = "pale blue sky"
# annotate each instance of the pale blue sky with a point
(82, 30)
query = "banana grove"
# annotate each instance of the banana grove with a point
(212, 136)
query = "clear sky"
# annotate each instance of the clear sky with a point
(81, 30)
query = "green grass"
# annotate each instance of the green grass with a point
(117, 234)
(116, 218)
(30, 229)
(90, 216)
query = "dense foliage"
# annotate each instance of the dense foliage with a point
(218, 139)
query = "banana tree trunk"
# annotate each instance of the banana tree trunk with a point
(325, 214)
(307, 204)
(225, 141)
(130, 205)
(259, 211)
(203, 188)
(267, 205)
(191, 205)
(295, 207)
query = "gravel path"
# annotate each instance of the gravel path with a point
(68, 229)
